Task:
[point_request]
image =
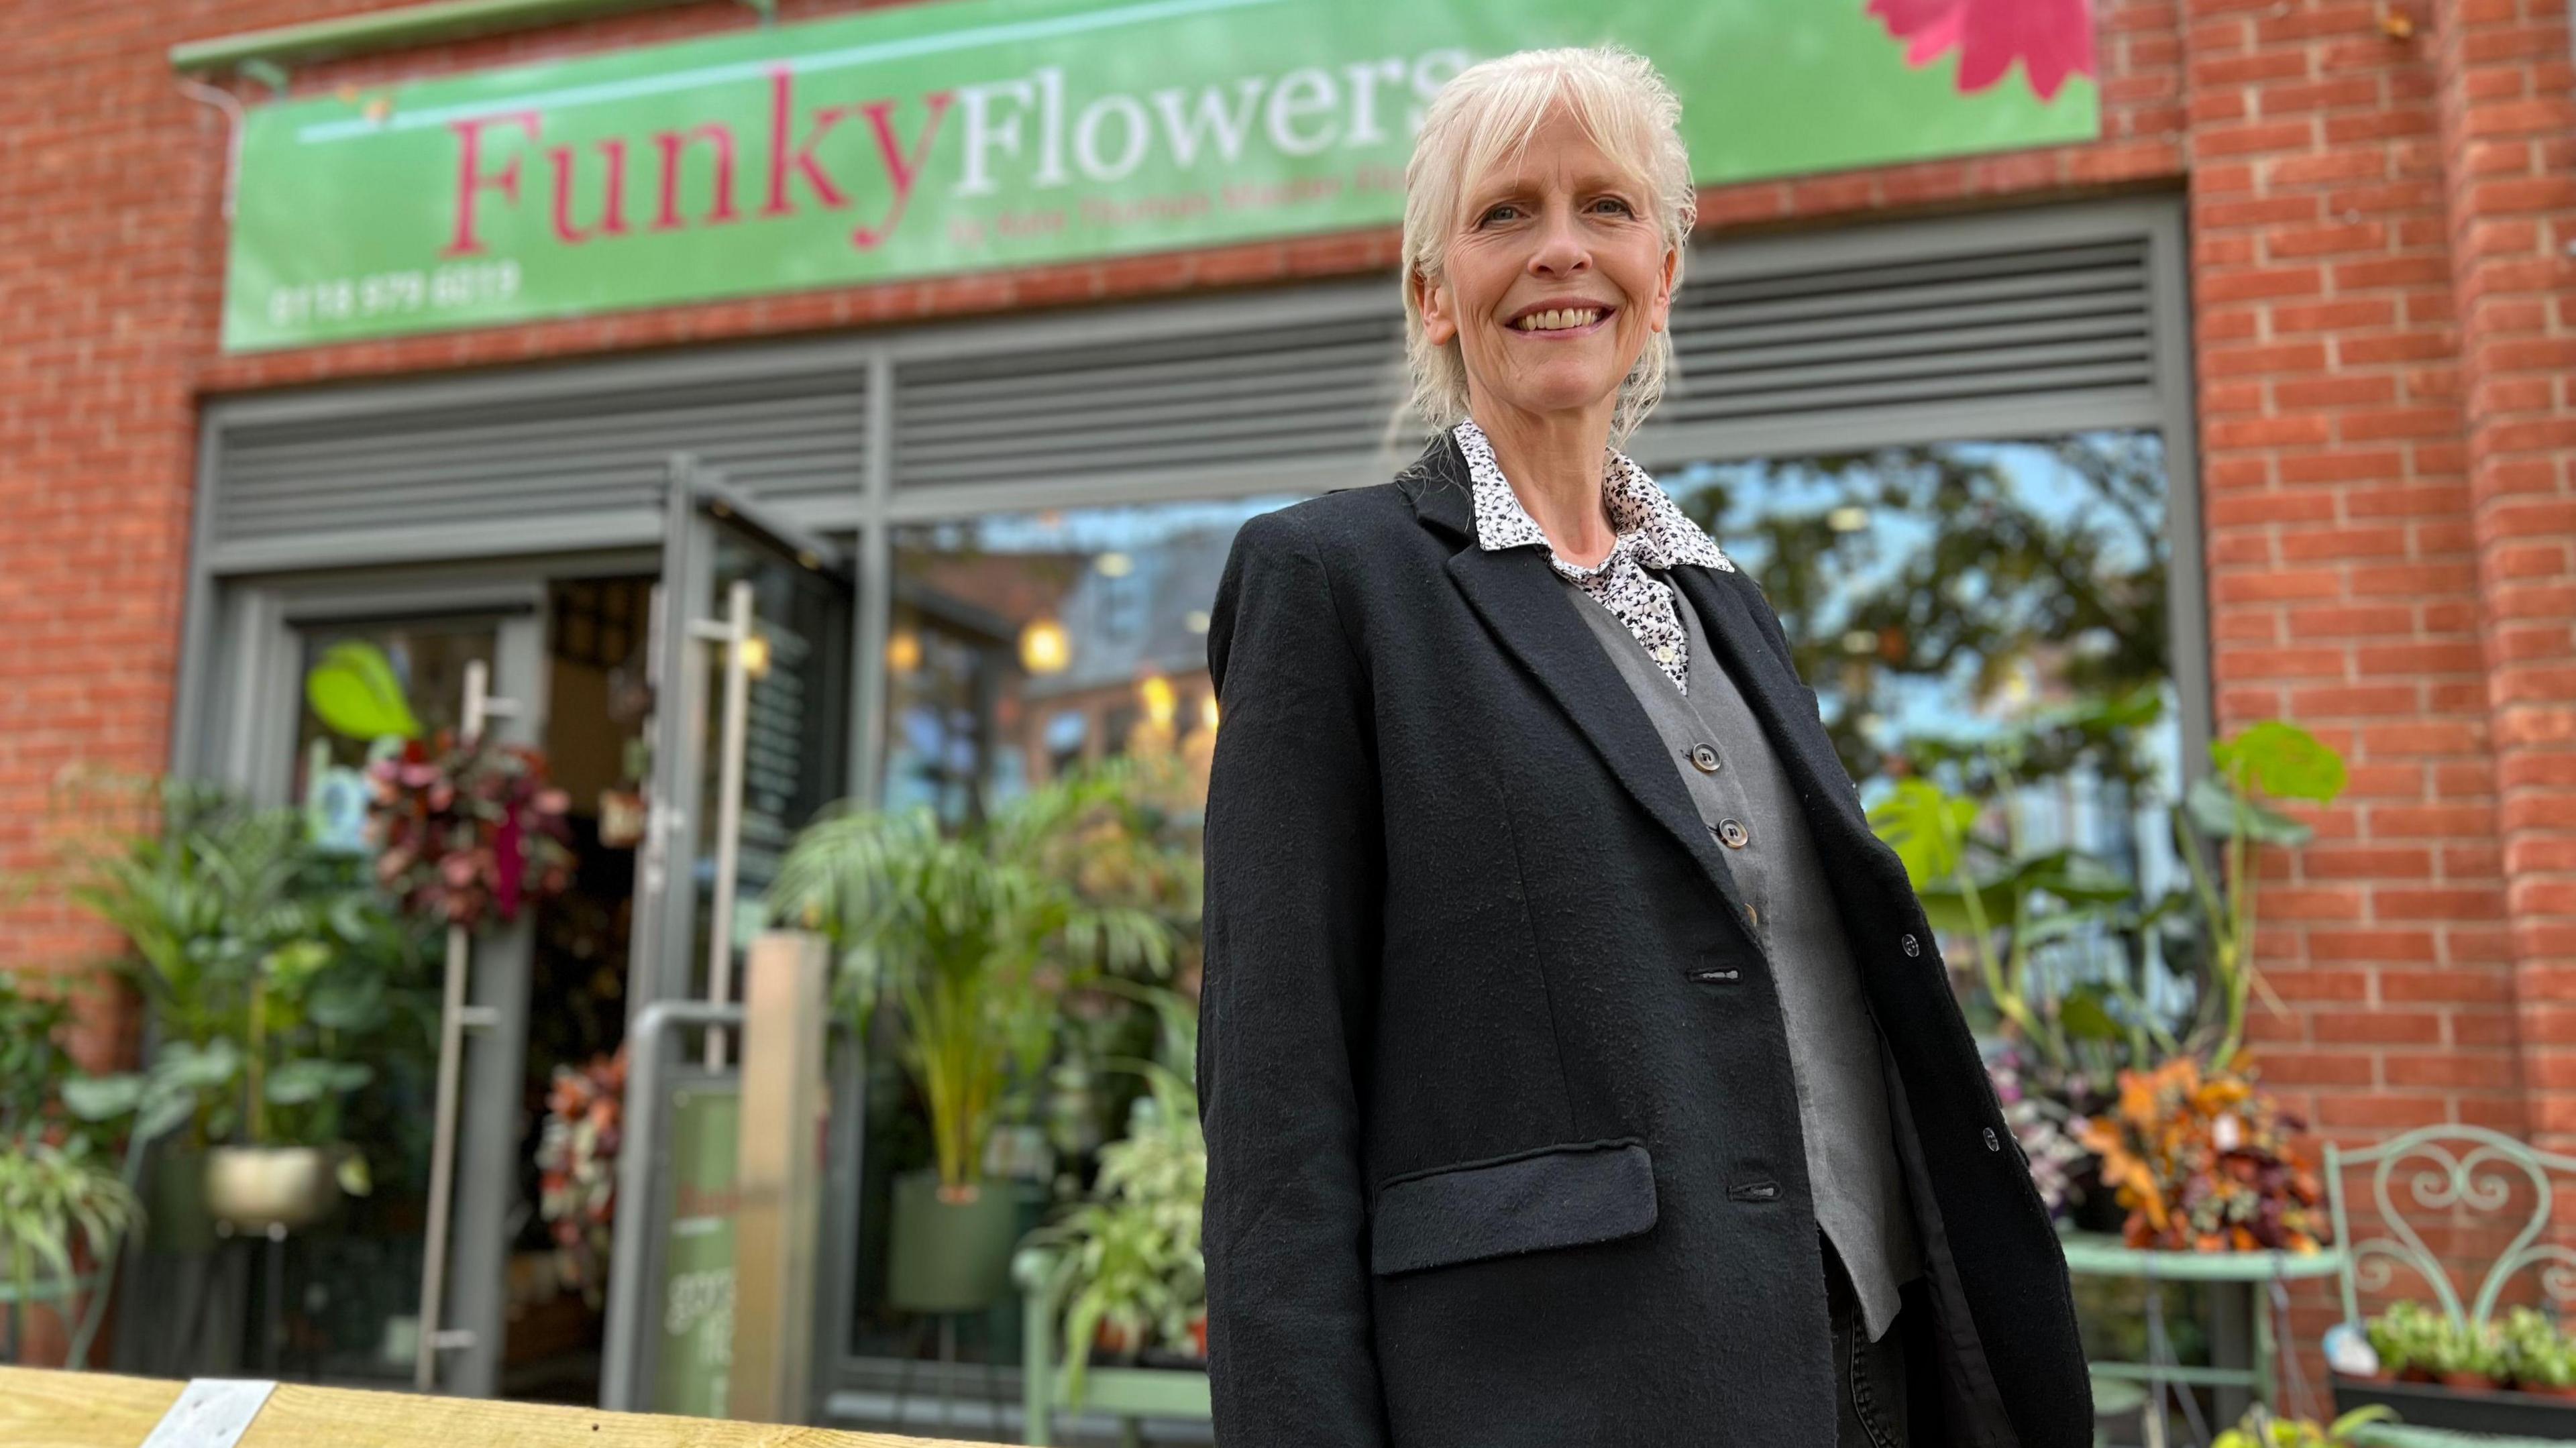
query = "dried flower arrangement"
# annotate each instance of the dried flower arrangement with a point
(2205, 1163)
(577, 1166)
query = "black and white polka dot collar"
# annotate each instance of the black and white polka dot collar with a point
(1650, 526)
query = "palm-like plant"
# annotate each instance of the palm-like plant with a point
(973, 937)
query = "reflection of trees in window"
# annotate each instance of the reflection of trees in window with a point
(1933, 592)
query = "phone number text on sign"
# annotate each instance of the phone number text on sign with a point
(391, 294)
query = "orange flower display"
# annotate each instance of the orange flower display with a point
(2206, 1164)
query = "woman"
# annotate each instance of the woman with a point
(1576, 1066)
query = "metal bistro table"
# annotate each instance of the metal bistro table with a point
(2103, 1254)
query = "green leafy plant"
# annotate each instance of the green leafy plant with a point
(2015, 905)
(973, 939)
(2261, 1430)
(59, 1190)
(54, 1197)
(2458, 1347)
(2272, 760)
(2537, 1354)
(1130, 1254)
(2404, 1336)
(274, 970)
(355, 692)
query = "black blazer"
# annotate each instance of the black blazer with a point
(1502, 1141)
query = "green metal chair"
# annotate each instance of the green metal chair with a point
(2467, 1173)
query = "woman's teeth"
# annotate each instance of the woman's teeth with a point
(1559, 320)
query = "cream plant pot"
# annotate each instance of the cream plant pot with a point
(253, 1188)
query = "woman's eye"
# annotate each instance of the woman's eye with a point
(1504, 212)
(1623, 208)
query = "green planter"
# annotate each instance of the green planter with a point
(176, 1220)
(950, 1256)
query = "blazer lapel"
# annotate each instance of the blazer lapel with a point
(1521, 601)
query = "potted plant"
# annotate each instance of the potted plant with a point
(972, 939)
(2261, 1430)
(1127, 1262)
(268, 965)
(61, 1199)
(2440, 1371)
(2467, 1357)
(2403, 1338)
(2538, 1358)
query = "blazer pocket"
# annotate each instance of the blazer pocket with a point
(1557, 1196)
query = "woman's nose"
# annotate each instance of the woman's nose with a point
(1560, 246)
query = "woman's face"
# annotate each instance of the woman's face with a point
(1555, 279)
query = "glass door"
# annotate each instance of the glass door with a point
(363, 684)
(751, 653)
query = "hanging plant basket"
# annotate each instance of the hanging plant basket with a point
(467, 832)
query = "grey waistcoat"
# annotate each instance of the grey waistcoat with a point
(1834, 1052)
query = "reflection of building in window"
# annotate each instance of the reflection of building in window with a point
(1026, 645)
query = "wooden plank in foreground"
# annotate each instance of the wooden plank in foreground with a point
(98, 1410)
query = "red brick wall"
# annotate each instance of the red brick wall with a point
(2508, 138)
(2385, 336)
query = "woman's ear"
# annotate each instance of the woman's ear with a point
(1662, 314)
(1438, 326)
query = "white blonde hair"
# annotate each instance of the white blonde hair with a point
(1494, 107)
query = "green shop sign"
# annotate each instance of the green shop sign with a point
(967, 135)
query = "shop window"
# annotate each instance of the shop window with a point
(1025, 643)
(1991, 615)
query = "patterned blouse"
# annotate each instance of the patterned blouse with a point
(1652, 533)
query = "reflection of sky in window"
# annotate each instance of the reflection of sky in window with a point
(1104, 529)
(1913, 705)
(2079, 809)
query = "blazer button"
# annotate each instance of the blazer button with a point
(1732, 834)
(1913, 946)
(1991, 1143)
(1705, 758)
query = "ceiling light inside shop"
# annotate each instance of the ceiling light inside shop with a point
(1045, 648)
(1207, 711)
(1196, 620)
(1849, 518)
(756, 656)
(1160, 702)
(903, 651)
(1114, 565)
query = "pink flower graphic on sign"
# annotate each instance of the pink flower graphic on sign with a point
(2051, 38)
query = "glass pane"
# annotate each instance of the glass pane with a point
(358, 1305)
(1023, 646)
(1025, 643)
(427, 660)
(1972, 612)
(794, 743)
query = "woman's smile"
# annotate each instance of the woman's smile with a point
(1561, 322)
